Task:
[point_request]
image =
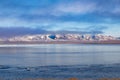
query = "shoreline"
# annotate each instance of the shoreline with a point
(64, 79)
(61, 42)
(109, 72)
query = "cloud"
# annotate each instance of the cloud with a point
(18, 31)
(60, 10)
(68, 15)
(73, 8)
(96, 29)
(91, 29)
(116, 10)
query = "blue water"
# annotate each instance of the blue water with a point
(59, 61)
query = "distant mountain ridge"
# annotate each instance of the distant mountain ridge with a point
(60, 37)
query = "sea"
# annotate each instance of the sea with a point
(59, 61)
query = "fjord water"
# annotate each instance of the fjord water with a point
(60, 61)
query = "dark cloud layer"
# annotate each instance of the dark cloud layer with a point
(19, 31)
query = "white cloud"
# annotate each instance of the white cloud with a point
(74, 8)
(116, 10)
(16, 22)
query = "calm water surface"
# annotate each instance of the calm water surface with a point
(60, 61)
(59, 54)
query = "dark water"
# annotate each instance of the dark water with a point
(59, 61)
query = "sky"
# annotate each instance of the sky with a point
(100, 16)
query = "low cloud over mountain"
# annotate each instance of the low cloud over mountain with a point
(19, 31)
(16, 31)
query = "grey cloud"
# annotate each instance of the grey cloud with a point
(91, 29)
(96, 29)
(17, 31)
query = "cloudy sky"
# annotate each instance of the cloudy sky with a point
(56, 15)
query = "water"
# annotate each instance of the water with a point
(63, 60)
(43, 55)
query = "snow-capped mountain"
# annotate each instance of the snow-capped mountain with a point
(60, 37)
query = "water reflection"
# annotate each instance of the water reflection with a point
(49, 54)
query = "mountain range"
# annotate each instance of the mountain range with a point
(59, 37)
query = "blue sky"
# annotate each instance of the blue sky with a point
(58, 15)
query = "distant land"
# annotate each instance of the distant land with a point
(61, 39)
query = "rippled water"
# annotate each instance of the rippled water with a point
(42, 55)
(60, 61)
